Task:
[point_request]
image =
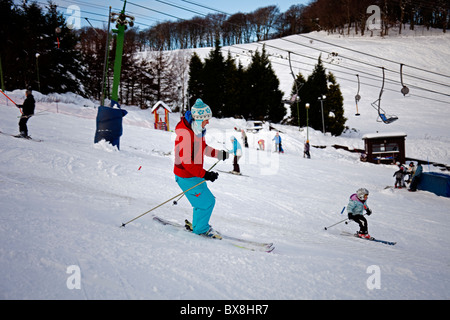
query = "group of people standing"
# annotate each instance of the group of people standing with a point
(413, 173)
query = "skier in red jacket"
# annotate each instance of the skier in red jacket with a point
(190, 149)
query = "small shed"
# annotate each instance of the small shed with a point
(387, 148)
(161, 112)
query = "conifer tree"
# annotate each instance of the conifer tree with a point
(60, 61)
(296, 99)
(335, 106)
(214, 80)
(263, 97)
(320, 84)
(233, 87)
(38, 50)
(195, 82)
(234, 91)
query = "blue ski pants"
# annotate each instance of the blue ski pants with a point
(202, 201)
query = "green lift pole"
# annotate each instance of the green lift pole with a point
(120, 31)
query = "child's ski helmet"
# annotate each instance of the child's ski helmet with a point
(361, 192)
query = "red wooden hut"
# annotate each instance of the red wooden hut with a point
(161, 112)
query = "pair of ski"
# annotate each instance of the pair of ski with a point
(237, 242)
(393, 187)
(21, 137)
(345, 233)
(234, 173)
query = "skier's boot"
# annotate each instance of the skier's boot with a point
(363, 235)
(211, 233)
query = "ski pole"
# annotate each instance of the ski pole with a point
(124, 224)
(40, 113)
(345, 220)
(326, 228)
(175, 202)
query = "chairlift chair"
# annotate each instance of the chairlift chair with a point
(382, 116)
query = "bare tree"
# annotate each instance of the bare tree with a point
(264, 20)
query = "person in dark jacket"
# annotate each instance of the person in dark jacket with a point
(27, 112)
(306, 150)
(416, 178)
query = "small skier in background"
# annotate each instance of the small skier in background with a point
(278, 147)
(399, 178)
(402, 167)
(261, 144)
(27, 112)
(355, 209)
(244, 138)
(236, 150)
(306, 150)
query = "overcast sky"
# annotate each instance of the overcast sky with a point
(149, 12)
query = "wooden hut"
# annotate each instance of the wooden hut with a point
(387, 148)
(161, 112)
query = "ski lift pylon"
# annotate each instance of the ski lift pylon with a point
(357, 97)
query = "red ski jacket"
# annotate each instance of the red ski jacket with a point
(190, 151)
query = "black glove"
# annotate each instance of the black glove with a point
(223, 155)
(211, 176)
(369, 212)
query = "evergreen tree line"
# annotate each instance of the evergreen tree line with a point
(252, 92)
(234, 91)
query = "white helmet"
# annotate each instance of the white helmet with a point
(361, 192)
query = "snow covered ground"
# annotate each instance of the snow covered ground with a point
(63, 202)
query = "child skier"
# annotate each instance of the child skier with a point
(399, 178)
(190, 149)
(355, 208)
